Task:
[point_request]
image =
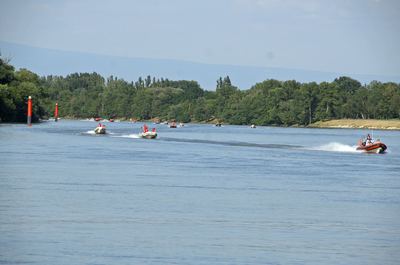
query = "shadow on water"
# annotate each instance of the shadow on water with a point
(241, 144)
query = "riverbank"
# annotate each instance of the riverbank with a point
(359, 124)
(393, 124)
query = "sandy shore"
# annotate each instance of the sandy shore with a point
(359, 124)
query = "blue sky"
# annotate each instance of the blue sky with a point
(359, 37)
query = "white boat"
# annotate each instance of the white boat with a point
(100, 130)
(148, 135)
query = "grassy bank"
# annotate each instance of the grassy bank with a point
(360, 124)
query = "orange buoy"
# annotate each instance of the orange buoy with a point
(29, 119)
(56, 113)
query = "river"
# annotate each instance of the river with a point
(196, 195)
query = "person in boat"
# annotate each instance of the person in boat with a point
(145, 128)
(369, 139)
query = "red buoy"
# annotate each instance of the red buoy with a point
(56, 113)
(29, 120)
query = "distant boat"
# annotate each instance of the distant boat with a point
(218, 125)
(148, 135)
(172, 125)
(100, 129)
(253, 126)
(181, 124)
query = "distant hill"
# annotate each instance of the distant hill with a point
(54, 62)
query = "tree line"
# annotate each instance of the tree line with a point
(271, 102)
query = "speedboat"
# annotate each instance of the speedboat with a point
(101, 129)
(172, 125)
(148, 135)
(376, 147)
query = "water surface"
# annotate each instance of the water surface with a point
(196, 195)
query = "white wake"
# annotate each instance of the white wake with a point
(336, 147)
(92, 132)
(134, 136)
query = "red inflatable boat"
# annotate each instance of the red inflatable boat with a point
(376, 147)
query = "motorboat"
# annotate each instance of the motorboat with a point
(376, 147)
(253, 126)
(100, 129)
(172, 125)
(148, 135)
(370, 146)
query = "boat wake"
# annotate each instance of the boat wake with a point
(336, 147)
(330, 147)
(134, 136)
(91, 132)
(241, 144)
